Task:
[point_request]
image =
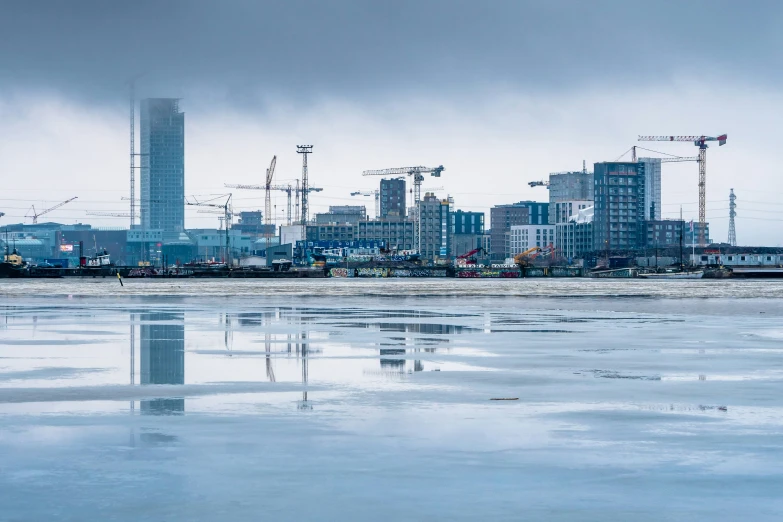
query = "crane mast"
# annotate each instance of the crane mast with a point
(270, 172)
(701, 142)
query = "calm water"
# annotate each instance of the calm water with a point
(371, 400)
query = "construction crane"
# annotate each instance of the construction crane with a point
(701, 142)
(417, 173)
(110, 214)
(669, 159)
(377, 194)
(36, 215)
(288, 189)
(226, 216)
(221, 215)
(539, 184)
(270, 172)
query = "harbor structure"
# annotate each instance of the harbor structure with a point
(162, 142)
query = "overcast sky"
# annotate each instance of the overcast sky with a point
(500, 93)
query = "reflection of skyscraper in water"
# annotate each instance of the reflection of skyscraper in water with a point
(163, 358)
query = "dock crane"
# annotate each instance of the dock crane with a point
(226, 216)
(377, 194)
(36, 215)
(417, 173)
(701, 142)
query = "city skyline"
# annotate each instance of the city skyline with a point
(494, 130)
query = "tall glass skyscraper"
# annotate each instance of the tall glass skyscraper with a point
(163, 166)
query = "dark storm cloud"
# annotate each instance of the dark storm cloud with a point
(88, 49)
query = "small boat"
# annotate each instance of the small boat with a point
(674, 275)
(13, 265)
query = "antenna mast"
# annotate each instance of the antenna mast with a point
(732, 215)
(304, 150)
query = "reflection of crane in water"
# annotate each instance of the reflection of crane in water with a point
(270, 371)
(228, 333)
(301, 349)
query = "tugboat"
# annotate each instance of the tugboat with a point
(13, 265)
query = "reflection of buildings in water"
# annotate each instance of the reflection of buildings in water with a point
(162, 349)
(398, 365)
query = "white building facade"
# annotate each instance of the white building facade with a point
(525, 237)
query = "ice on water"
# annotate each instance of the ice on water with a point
(370, 400)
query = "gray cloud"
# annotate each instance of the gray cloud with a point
(87, 49)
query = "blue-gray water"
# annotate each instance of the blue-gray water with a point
(370, 400)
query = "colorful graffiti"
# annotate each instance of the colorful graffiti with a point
(373, 272)
(340, 272)
(487, 274)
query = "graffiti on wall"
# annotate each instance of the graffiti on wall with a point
(373, 272)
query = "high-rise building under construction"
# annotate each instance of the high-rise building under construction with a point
(162, 166)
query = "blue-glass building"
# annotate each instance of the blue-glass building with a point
(163, 167)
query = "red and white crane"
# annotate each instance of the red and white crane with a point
(701, 142)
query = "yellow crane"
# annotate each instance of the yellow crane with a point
(523, 259)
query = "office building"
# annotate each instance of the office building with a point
(537, 212)
(664, 233)
(395, 233)
(618, 222)
(467, 229)
(434, 227)
(692, 233)
(342, 214)
(467, 222)
(332, 232)
(574, 237)
(392, 198)
(162, 167)
(570, 186)
(525, 237)
(563, 211)
(502, 218)
(652, 188)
